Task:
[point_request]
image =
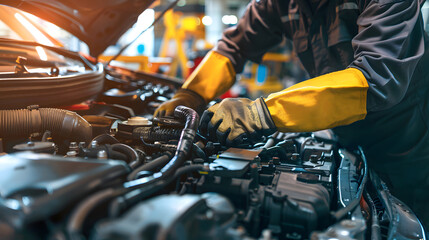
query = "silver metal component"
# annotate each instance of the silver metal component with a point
(82, 145)
(20, 67)
(71, 153)
(102, 154)
(295, 157)
(73, 146)
(40, 147)
(266, 234)
(94, 144)
(344, 230)
(138, 121)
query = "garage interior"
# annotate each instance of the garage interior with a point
(214, 119)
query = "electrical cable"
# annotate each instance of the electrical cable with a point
(375, 224)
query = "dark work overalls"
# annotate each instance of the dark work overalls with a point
(384, 39)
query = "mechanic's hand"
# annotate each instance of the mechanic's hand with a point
(234, 119)
(182, 97)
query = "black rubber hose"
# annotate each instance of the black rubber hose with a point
(127, 150)
(105, 139)
(151, 184)
(150, 166)
(62, 123)
(199, 152)
(375, 224)
(183, 148)
(152, 134)
(111, 154)
(132, 156)
(185, 170)
(78, 216)
(186, 139)
(121, 203)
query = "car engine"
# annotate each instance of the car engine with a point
(107, 170)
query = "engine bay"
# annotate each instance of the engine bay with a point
(107, 170)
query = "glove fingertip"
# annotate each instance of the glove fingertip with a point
(205, 119)
(222, 136)
(235, 141)
(169, 113)
(212, 130)
(161, 113)
(254, 136)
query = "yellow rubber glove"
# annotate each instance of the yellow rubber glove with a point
(214, 76)
(328, 101)
(182, 97)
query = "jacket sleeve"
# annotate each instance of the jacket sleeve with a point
(257, 31)
(388, 46)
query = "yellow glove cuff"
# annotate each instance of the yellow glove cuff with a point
(214, 76)
(328, 101)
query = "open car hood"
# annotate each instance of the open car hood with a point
(99, 23)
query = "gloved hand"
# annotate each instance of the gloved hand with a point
(183, 97)
(233, 119)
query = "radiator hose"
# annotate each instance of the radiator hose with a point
(183, 148)
(62, 123)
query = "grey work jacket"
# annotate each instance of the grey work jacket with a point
(385, 39)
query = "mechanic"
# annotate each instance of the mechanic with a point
(369, 64)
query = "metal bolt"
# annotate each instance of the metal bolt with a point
(94, 144)
(102, 154)
(21, 60)
(295, 157)
(71, 154)
(20, 65)
(73, 146)
(82, 145)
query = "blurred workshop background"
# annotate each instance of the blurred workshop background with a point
(176, 45)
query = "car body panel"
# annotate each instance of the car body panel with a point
(99, 23)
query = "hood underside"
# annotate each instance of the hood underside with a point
(99, 23)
